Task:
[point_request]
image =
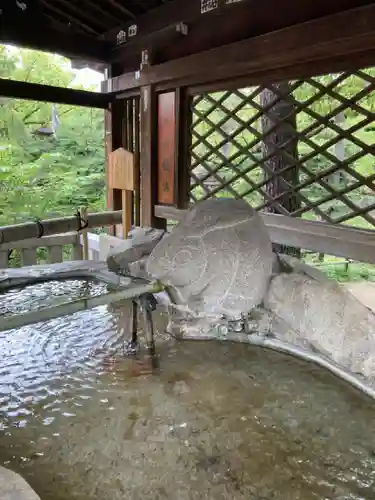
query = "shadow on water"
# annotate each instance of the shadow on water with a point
(219, 421)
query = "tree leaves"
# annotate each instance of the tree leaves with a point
(42, 177)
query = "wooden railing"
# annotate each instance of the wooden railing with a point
(58, 248)
(338, 240)
(60, 243)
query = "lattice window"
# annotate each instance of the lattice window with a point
(300, 148)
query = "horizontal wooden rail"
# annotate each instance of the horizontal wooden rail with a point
(56, 226)
(338, 240)
(57, 234)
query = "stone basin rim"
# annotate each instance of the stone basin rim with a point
(296, 352)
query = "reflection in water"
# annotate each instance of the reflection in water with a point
(219, 421)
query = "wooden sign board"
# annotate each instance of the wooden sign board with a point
(166, 148)
(121, 170)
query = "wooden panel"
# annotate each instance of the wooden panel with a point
(28, 256)
(55, 254)
(321, 237)
(121, 170)
(166, 148)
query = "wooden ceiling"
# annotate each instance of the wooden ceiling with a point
(88, 29)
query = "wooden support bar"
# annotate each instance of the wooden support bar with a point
(348, 36)
(48, 93)
(339, 240)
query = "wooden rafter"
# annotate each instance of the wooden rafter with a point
(33, 30)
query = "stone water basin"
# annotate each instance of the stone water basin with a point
(219, 420)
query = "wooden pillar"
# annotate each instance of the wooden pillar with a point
(164, 153)
(112, 141)
(173, 148)
(183, 142)
(148, 157)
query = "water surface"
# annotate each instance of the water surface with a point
(81, 421)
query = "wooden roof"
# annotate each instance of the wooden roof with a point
(89, 29)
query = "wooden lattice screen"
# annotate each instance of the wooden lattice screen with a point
(302, 148)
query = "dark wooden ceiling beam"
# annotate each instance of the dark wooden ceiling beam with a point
(226, 24)
(59, 95)
(33, 30)
(333, 37)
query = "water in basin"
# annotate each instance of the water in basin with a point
(220, 420)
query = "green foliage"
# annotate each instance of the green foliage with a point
(46, 176)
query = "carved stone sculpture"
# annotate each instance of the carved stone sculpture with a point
(128, 257)
(219, 258)
(227, 283)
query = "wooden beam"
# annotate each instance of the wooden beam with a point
(339, 240)
(233, 21)
(48, 93)
(348, 34)
(33, 30)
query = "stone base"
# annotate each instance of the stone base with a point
(14, 487)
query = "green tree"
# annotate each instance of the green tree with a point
(44, 176)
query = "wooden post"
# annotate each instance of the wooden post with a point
(84, 213)
(121, 177)
(113, 140)
(183, 160)
(148, 157)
